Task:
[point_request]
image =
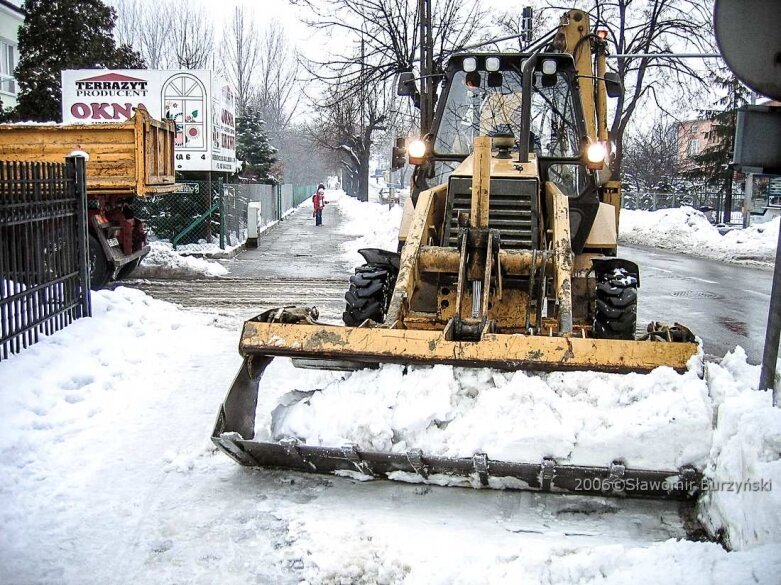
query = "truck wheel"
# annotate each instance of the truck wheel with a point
(98, 264)
(615, 315)
(128, 269)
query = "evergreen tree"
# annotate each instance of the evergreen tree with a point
(67, 34)
(253, 147)
(6, 114)
(711, 165)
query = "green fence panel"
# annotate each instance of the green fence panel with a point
(214, 213)
(302, 192)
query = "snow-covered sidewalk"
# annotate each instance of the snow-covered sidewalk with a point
(688, 231)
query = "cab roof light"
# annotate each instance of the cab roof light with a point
(469, 64)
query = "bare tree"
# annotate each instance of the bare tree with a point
(156, 35)
(192, 37)
(240, 55)
(303, 161)
(148, 29)
(276, 91)
(128, 26)
(510, 22)
(385, 36)
(651, 156)
(345, 125)
(385, 41)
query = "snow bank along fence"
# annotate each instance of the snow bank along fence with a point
(44, 270)
(215, 211)
(651, 201)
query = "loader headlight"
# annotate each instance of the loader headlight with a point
(549, 67)
(596, 155)
(416, 150)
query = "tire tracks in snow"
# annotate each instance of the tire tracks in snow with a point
(249, 296)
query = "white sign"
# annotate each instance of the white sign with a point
(202, 106)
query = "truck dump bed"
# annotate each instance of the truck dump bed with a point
(134, 157)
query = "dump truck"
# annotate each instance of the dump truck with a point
(129, 159)
(508, 260)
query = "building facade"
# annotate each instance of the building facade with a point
(11, 18)
(694, 136)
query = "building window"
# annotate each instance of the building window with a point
(693, 148)
(7, 66)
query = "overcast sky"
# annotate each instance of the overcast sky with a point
(313, 43)
(289, 16)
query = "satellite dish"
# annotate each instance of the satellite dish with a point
(747, 32)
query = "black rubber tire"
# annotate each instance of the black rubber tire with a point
(98, 264)
(615, 310)
(369, 296)
(128, 269)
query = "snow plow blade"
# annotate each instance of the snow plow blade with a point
(375, 345)
(359, 347)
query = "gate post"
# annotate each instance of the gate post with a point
(76, 169)
(223, 219)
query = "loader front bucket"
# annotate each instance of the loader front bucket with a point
(364, 347)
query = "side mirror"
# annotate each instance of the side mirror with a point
(405, 85)
(398, 154)
(613, 84)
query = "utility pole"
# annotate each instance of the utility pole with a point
(426, 68)
(526, 25)
(767, 375)
(361, 196)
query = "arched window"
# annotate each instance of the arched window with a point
(184, 102)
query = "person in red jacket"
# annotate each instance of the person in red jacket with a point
(318, 200)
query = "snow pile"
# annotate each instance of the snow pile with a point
(743, 501)
(165, 262)
(53, 389)
(661, 420)
(82, 413)
(687, 230)
(657, 421)
(205, 248)
(375, 225)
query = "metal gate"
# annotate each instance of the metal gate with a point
(44, 272)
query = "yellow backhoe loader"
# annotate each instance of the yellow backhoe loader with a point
(508, 261)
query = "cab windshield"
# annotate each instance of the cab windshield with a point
(482, 103)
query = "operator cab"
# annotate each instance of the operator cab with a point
(482, 95)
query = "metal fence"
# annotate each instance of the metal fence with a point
(215, 212)
(649, 201)
(44, 271)
(302, 192)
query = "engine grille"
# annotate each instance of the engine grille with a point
(512, 210)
